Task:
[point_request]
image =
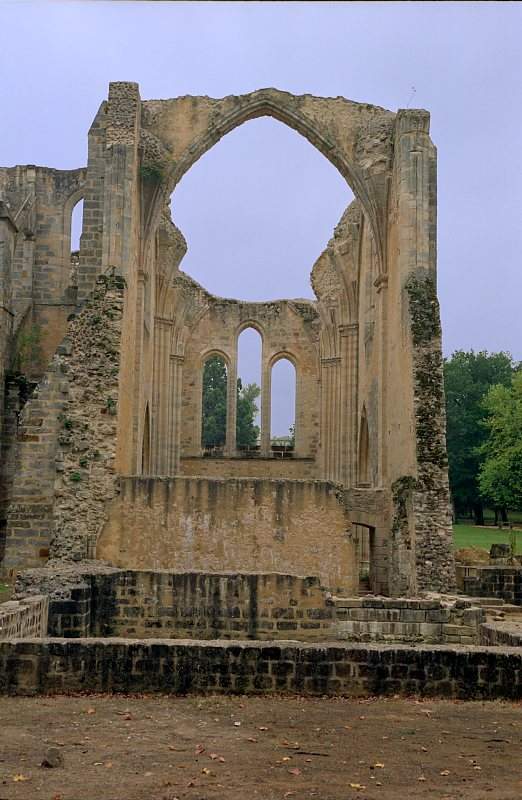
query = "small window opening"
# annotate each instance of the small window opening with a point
(283, 397)
(214, 406)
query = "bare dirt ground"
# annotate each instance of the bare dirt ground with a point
(284, 748)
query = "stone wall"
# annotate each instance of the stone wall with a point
(63, 460)
(31, 497)
(274, 468)
(495, 581)
(242, 525)
(115, 665)
(404, 620)
(139, 605)
(20, 619)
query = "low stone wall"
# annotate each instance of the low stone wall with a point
(22, 618)
(495, 581)
(141, 604)
(501, 634)
(116, 665)
(403, 620)
(275, 468)
(232, 525)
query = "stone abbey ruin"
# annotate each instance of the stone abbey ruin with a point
(113, 517)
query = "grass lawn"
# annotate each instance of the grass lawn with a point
(472, 536)
(5, 592)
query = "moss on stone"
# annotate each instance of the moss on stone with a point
(424, 309)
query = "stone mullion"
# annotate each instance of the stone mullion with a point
(230, 445)
(266, 409)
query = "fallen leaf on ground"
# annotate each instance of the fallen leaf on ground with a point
(18, 778)
(199, 749)
(378, 765)
(294, 771)
(206, 771)
(91, 711)
(358, 786)
(445, 772)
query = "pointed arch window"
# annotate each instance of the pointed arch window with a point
(248, 405)
(283, 390)
(214, 403)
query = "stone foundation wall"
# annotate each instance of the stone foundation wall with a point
(116, 665)
(194, 605)
(495, 581)
(23, 618)
(232, 525)
(405, 620)
(501, 634)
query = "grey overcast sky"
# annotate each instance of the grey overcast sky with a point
(259, 207)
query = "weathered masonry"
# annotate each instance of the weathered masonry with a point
(102, 356)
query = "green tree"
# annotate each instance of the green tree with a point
(500, 478)
(467, 377)
(214, 422)
(247, 432)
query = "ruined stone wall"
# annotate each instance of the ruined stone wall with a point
(30, 503)
(20, 619)
(41, 201)
(138, 605)
(63, 464)
(369, 349)
(86, 477)
(403, 620)
(495, 581)
(115, 665)
(242, 525)
(7, 245)
(414, 444)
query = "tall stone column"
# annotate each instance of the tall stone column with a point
(422, 522)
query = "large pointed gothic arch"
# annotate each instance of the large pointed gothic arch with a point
(356, 170)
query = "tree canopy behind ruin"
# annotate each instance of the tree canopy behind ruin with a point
(214, 422)
(468, 376)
